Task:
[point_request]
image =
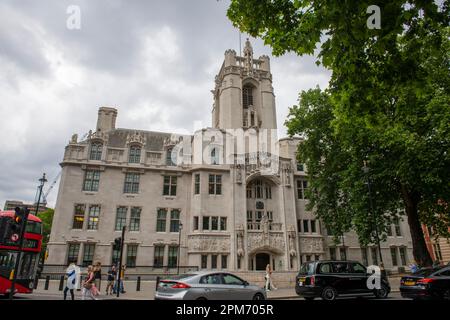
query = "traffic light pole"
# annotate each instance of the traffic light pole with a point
(119, 272)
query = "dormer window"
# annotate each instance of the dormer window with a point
(214, 156)
(247, 96)
(169, 161)
(134, 155)
(96, 151)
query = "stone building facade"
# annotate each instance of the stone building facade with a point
(236, 214)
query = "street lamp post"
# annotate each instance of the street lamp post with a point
(180, 227)
(366, 171)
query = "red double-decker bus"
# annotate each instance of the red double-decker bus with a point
(9, 249)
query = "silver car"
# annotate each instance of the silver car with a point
(208, 285)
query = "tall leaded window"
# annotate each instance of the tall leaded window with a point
(258, 189)
(91, 180)
(374, 254)
(170, 186)
(313, 226)
(131, 183)
(365, 259)
(205, 223)
(332, 253)
(135, 219)
(158, 257)
(394, 256)
(131, 255)
(195, 223)
(204, 262)
(214, 261)
(343, 253)
(215, 184)
(174, 220)
(398, 231)
(214, 156)
(223, 223)
(78, 217)
(121, 218)
(224, 262)
(173, 256)
(161, 220)
(197, 183)
(134, 155)
(215, 223)
(94, 215)
(169, 161)
(96, 151)
(268, 192)
(88, 254)
(72, 253)
(247, 96)
(403, 255)
(302, 187)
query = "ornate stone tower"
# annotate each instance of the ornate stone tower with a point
(243, 95)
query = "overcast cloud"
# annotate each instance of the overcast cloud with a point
(153, 60)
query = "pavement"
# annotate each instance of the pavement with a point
(279, 294)
(147, 292)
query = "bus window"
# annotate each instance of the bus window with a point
(28, 265)
(7, 260)
(34, 227)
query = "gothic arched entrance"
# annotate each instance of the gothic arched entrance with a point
(261, 261)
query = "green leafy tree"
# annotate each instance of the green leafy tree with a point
(387, 104)
(47, 219)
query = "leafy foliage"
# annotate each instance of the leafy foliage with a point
(388, 103)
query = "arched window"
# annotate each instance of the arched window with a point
(135, 154)
(214, 156)
(247, 96)
(96, 151)
(169, 161)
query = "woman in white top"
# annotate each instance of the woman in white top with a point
(269, 283)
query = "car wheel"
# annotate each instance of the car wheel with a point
(258, 296)
(309, 298)
(382, 293)
(329, 294)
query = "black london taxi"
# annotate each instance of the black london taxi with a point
(328, 279)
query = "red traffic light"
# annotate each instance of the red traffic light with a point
(14, 237)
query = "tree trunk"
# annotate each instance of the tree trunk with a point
(420, 250)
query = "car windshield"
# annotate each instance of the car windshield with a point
(424, 272)
(307, 268)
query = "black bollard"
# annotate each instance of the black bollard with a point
(47, 282)
(61, 283)
(138, 284)
(157, 282)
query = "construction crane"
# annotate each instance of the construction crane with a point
(44, 196)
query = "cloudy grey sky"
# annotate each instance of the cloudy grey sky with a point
(153, 60)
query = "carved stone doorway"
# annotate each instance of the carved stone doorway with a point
(261, 261)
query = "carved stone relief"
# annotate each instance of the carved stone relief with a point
(204, 243)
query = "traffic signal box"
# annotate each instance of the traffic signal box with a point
(11, 229)
(117, 243)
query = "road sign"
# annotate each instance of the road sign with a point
(14, 237)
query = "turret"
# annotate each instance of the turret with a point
(106, 120)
